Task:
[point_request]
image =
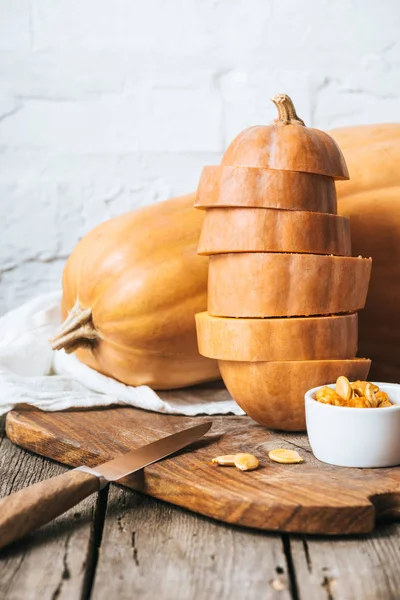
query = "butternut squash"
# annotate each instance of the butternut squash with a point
(272, 393)
(131, 289)
(273, 230)
(276, 285)
(372, 201)
(255, 187)
(277, 249)
(333, 337)
(287, 145)
(373, 155)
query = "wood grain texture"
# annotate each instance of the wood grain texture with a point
(189, 551)
(161, 551)
(54, 563)
(262, 284)
(38, 504)
(348, 568)
(311, 497)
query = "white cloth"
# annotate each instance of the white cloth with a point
(31, 373)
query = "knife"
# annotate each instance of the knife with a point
(32, 507)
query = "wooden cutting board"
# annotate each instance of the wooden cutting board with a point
(311, 497)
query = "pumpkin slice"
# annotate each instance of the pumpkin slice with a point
(287, 145)
(272, 393)
(277, 339)
(268, 230)
(279, 285)
(256, 187)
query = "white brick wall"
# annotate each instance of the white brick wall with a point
(106, 105)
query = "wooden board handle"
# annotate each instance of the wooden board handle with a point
(32, 507)
(387, 505)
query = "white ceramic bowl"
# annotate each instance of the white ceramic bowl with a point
(355, 437)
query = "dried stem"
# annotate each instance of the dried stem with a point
(77, 331)
(286, 111)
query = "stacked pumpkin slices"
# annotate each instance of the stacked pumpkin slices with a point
(283, 290)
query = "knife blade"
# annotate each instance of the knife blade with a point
(137, 459)
(32, 507)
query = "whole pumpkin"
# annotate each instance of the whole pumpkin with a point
(371, 198)
(131, 288)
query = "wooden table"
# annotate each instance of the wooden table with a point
(124, 545)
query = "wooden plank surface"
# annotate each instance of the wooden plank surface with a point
(55, 562)
(311, 497)
(158, 551)
(151, 549)
(365, 568)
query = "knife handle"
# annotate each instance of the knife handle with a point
(30, 508)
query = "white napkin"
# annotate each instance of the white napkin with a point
(31, 373)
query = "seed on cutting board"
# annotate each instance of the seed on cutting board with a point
(281, 455)
(242, 461)
(246, 462)
(225, 461)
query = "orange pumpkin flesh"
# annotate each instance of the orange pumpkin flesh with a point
(272, 230)
(333, 337)
(287, 145)
(272, 393)
(265, 188)
(137, 283)
(277, 285)
(372, 200)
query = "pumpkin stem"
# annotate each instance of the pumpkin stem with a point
(286, 111)
(77, 331)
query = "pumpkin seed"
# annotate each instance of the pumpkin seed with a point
(383, 399)
(242, 461)
(357, 402)
(225, 461)
(281, 455)
(359, 394)
(327, 395)
(246, 462)
(343, 388)
(359, 387)
(370, 398)
(385, 403)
